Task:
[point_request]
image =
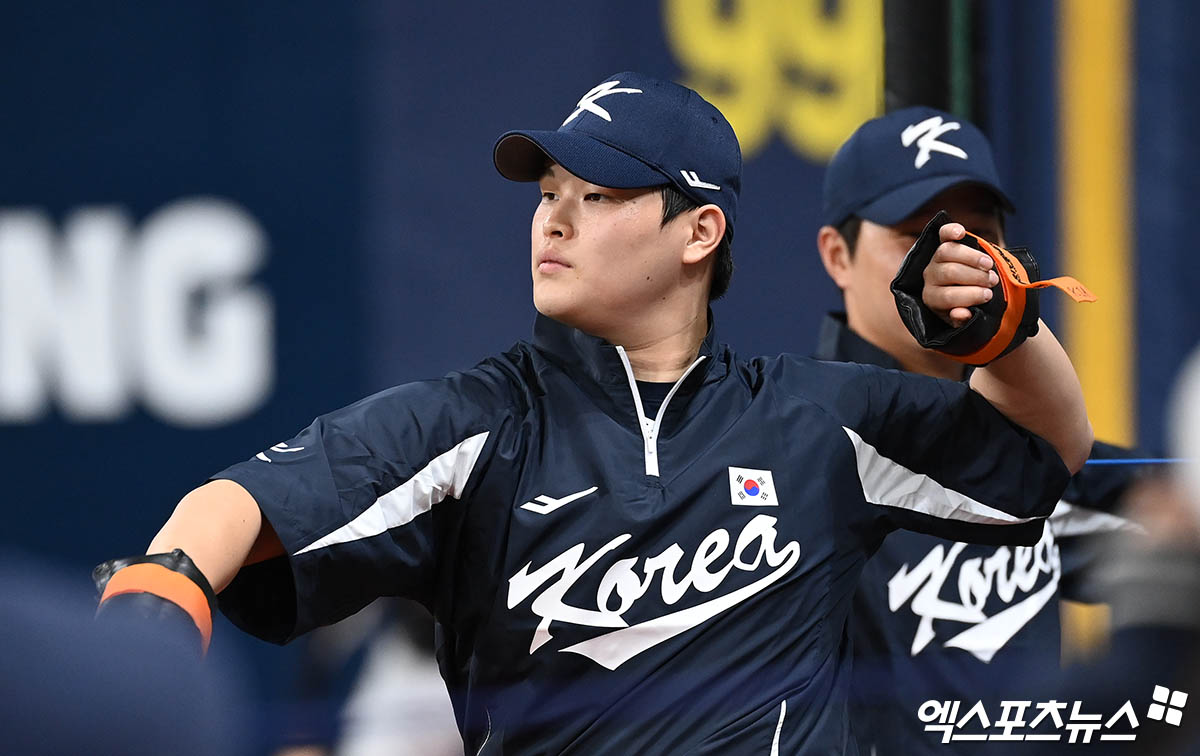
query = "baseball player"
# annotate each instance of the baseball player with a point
(936, 619)
(632, 540)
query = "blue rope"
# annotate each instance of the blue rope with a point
(1139, 461)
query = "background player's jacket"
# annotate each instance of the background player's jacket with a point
(935, 619)
(605, 582)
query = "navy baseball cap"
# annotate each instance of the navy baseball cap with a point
(894, 164)
(632, 131)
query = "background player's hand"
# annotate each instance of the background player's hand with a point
(957, 277)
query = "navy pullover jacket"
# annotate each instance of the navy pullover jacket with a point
(607, 582)
(935, 619)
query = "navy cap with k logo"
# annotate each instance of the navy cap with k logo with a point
(894, 164)
(633, 131)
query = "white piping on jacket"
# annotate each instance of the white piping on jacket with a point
(650, 427)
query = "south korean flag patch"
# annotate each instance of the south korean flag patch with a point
(751, 488)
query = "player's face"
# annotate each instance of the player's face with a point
(870, 306)
(601, 257)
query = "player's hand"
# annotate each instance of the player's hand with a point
(957, 277)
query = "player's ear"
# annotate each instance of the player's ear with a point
(707, 229)
(835, 255)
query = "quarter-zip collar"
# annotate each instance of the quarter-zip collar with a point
(650, 426)
(578, 352)
(837, 343)
(605, 367)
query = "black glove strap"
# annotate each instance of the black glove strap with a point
(974, 341)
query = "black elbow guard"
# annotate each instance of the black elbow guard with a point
(163, 587)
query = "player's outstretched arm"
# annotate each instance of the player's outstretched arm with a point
(214, 530)
(220, 526)
(1035, 384)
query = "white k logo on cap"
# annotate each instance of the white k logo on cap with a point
(588, 101)
(926, 134)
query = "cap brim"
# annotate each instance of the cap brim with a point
(900, 203)
(522, 156)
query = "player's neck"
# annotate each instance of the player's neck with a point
(663, 354)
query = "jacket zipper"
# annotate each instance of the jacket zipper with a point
(650, 427)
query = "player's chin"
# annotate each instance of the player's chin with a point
(555, 301)
(575, 309)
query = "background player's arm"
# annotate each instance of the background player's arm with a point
(220, 526)
(1035, 385)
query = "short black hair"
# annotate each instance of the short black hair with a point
(675, 203)
(849, 229)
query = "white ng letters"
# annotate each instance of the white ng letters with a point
(105, 315)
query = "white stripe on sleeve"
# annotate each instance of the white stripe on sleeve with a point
(445, 476)
(888, 483)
